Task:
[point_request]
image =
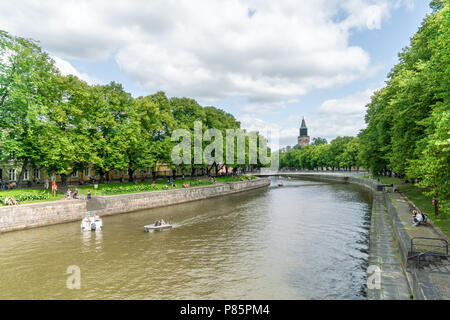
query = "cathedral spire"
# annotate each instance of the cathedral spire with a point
(303, 138)
(303, 129)
(303, 123)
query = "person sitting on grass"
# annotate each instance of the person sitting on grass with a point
(12, 202)
(6, 201)
(165, 187)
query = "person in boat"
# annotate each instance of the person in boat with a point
(163, 222)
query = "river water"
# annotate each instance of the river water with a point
(304, 240)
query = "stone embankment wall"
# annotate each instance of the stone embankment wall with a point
(368, 183)
(48, 213)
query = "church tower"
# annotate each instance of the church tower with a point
(303, 138)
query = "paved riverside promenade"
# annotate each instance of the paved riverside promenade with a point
(384, 253)
(430, 282)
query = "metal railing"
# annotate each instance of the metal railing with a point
(435, 250)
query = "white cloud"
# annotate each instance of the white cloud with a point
(67, 68)
(364, 13)
(278, 136)
(267, 52)
(339, 117)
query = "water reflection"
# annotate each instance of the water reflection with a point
(305, 240)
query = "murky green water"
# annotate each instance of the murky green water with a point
(306, 240)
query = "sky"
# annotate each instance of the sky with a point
(269, 63)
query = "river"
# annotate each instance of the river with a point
(304, 240)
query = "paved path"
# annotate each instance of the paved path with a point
(435, 277)
(383, 252)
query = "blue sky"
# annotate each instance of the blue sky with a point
(267, 63)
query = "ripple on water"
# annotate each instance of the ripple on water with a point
(305, 241)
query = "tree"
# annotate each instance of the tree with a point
(27, 80)
(319, 141)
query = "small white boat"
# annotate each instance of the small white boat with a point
(152, 227)
(91, 223)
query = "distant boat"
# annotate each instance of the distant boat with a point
(153, 227)
(280, 184)
(91, 223)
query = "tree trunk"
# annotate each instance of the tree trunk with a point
(130, 175)
(22, 172)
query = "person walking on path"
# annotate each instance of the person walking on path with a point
(89, 194)
(436, 207)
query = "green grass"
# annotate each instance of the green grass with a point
(108, 189)
(18, 193)
(234, 179)
(130, 187)
(422, 201)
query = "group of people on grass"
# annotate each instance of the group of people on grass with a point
(7, 186)
(10, 201)
(72, 195)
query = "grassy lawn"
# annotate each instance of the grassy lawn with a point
(234, 179)
(422, 201)
(130, 187)
(24, 196)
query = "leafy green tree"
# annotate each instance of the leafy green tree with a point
(26, 82)
(319, 141)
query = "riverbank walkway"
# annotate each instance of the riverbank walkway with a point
(433, 278)
(384, 254)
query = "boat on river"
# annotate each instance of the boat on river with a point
(93, 223)
(154, 227)
(280, 184)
